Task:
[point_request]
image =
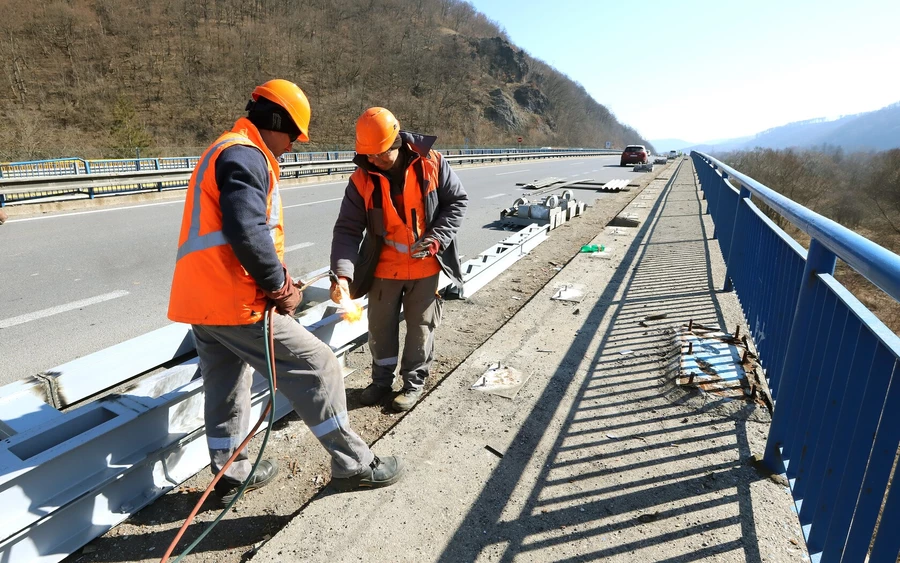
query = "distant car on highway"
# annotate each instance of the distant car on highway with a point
(634, 154)
(673, 154)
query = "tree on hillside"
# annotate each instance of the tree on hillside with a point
(127, 135)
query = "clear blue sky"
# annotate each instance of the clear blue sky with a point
(708, 70)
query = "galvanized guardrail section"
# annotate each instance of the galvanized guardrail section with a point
(833, 367)
(74, 463)
(73, 177)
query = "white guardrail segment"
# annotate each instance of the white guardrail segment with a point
(68, 477)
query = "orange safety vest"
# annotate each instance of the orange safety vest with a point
(396, 261)
(210, 287)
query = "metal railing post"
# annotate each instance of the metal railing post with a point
(819, 260)
(738, 227)
(720, 185)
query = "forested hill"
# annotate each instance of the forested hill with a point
(98, 78)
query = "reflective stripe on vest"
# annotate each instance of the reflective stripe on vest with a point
(194, 241)
(401, 231)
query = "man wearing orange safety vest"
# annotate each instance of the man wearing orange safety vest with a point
(422, 206)
(230, 264)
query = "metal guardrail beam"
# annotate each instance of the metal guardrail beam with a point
(37, 187)
(66, 478)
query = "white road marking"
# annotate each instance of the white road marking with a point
(299, 246)
(312, 203)
(495, 195)
(306, 186)
(21, 319)
(513, 172)
(176, 199)
(179, 200)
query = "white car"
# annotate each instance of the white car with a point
(673, 154)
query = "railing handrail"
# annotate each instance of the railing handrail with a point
(878, 264)
(74, 166)
(128, 181)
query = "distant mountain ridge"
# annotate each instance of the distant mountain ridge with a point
(874, 130)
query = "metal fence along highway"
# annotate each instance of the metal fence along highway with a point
(832, 366)
(74, 177)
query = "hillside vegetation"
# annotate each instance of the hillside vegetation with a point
(96, 78)
(875, 130)
(858, 190)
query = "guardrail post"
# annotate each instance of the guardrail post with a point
(90, 193)
(720, 185)
(2, 200)
(737, 228)
(819, 260)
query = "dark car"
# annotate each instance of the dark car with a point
(634, 154)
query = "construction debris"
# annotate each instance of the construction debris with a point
(554, 210)
(500, 380)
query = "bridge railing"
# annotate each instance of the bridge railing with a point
(832, 366)
(21, 182)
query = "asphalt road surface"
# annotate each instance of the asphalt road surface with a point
(75, 283)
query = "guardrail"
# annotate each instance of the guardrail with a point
(833, 367)
(74, 166)
(106, 179)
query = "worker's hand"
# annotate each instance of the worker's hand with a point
(288, 298)
(336, 288)
(427, 246)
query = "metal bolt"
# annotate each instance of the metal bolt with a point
(690, 325)
(744, 357)
(690, 348)
(737, 332)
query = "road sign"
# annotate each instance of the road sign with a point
(609, 144)
(519, 139)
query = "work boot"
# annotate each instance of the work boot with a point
(406, 399)
(265, 472)
(373, 394)
(380, 473)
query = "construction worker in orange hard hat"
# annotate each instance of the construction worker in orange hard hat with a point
(394, 235)
(230, 265)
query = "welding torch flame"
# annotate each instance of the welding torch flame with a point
(352, 311)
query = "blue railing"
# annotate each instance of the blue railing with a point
(833, 367)
(78, 166)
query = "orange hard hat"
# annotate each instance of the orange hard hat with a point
(289, 96)
(376, 130)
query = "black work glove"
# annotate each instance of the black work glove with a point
(286, 299)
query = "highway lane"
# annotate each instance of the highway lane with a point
(74, 283)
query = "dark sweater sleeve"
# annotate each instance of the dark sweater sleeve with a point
(243, 179)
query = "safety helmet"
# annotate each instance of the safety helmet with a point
(376, 130)
(289, 96)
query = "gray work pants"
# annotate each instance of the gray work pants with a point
(308, 374)
(422, 313)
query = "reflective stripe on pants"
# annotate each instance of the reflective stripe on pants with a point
(308, 374)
